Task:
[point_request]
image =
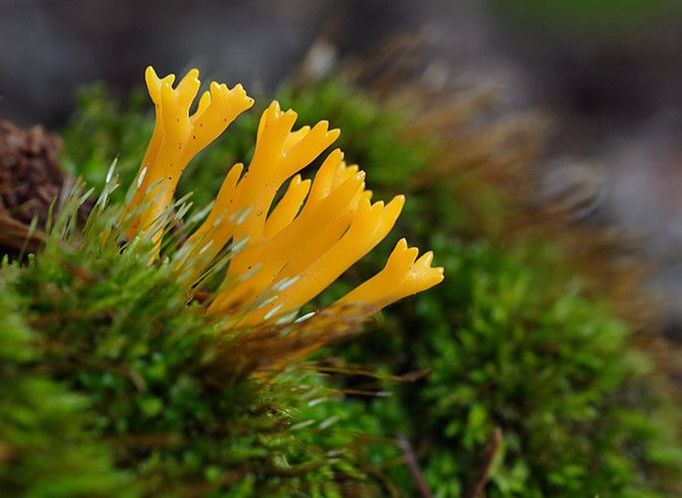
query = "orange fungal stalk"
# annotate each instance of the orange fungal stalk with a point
(283, 255)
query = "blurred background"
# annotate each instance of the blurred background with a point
(606, 73)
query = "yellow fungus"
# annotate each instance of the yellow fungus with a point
(401, 277)
(292, 251)
(177, 138)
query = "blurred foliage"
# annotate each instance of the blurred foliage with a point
(103, 130)
(33, 409)
(372, 135)
(596, 16)
(511, 340)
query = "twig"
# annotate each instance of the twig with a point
(482, 475)
(413, 466)
(16, 235)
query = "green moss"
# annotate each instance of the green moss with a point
(102, 130)
(552, 370)
(119, 381)
(46, 446)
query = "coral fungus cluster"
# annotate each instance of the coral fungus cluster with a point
(284, 253)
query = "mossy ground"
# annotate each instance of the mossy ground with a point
(114, 386)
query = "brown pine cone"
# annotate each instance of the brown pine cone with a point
(31, 178)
